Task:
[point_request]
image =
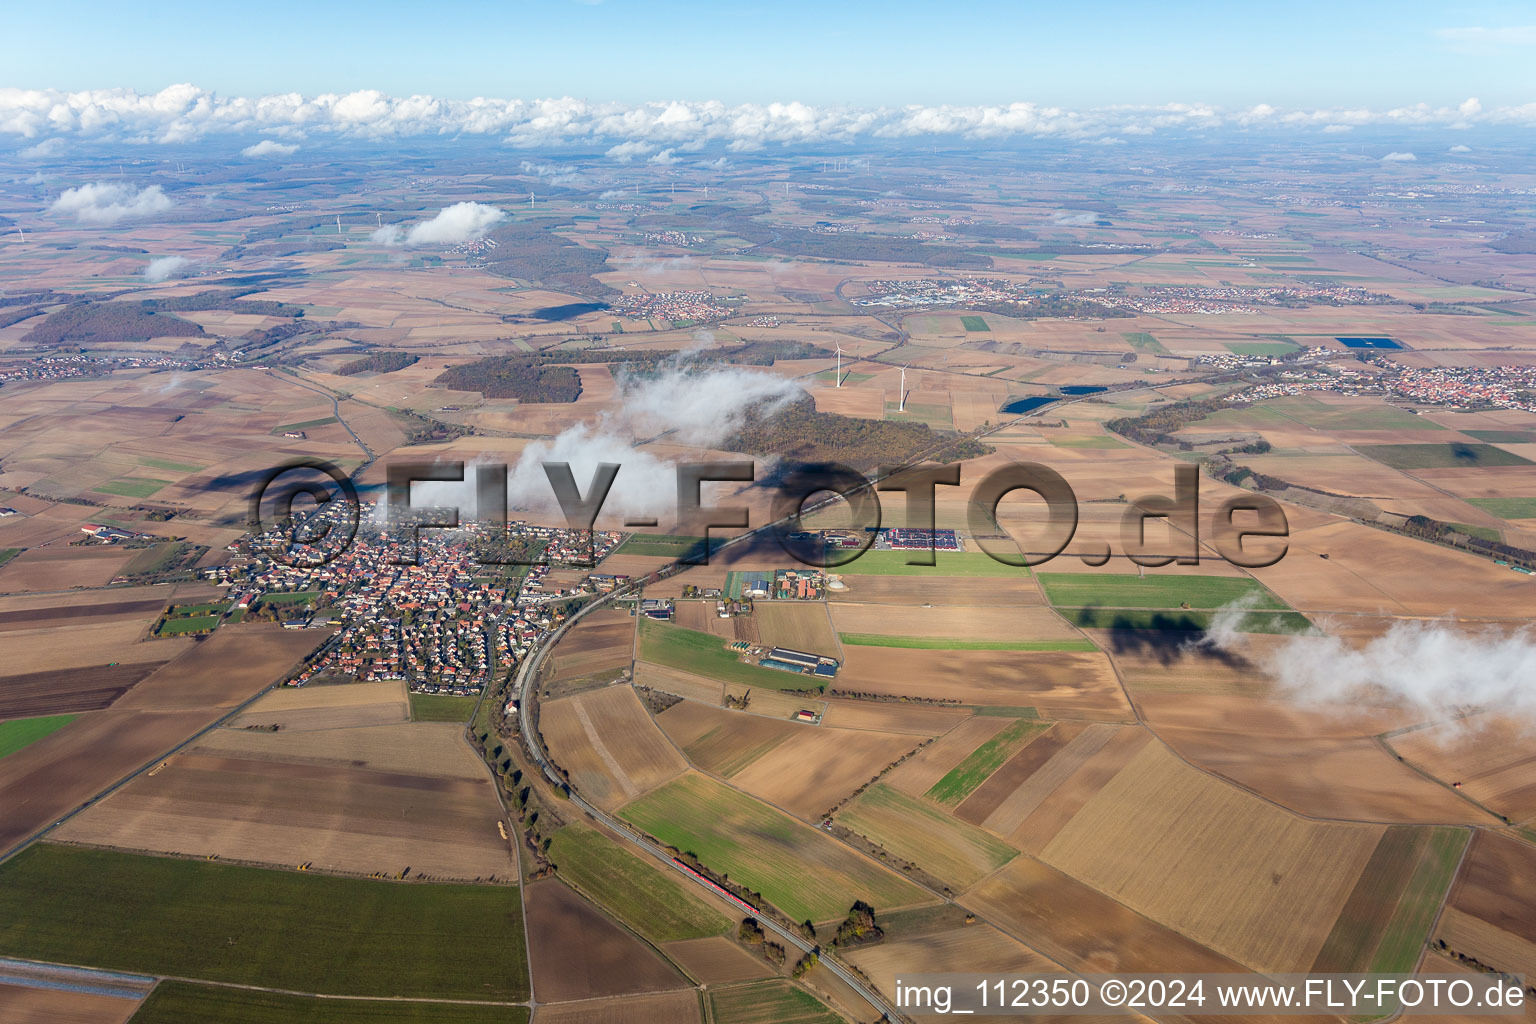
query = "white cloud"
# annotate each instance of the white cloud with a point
(1399, 158)
(1459, 149)
(163, 268)
(461, 222)
(268, 147)
(665, 158)
(1333, 129)
(109, 202)
(630, 131)
(44, 150)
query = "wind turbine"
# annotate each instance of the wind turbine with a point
(381, 218)
(338, 223)
(22, 233)
(530, 200)
(839, 378)
(901, 405)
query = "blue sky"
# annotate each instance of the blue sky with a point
(1300, 54)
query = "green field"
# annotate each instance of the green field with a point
(1105, 590)
(254, 926)
(441, 707)
(926, 643)
(980, 763)
(1174, 619)
(1141, 341)
(1419, 904)
(174, 467)
(157, 558)
(132, 486)
(6, 554)
(640, 892)
(944, 846)
(1503, 436)
(706, 654)
(1088, 441)
(305, 425)
(1441, 456)
(805, 873)
(768, 1002)
(183, 610)
(1262, 348)
(947, 563)
(1504, 508)
(660, 545)
(849, 377)
(23, 732)
(187, 624)
(974, 323)
(180, 1002)
(291, 597)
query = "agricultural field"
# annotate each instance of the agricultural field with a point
(652, 1008)
(1068, 684)
(296, 709)
(961, 564)
(441, 707)
(798, 625)
(302, 932)
(977, 766)
(22, 732)
(768, 1002)
(951, 851)
(1492, 905)
(705, 654)
(331, 817)
(1442, 456)
(1074, 590)
(1271, 884)
(609, 745)
(612, 962)
(805, 873)
(180, 1002)
(598, 647)
(56, 1006)
(648, 898)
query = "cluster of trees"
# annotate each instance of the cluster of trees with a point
(751, 934)
(1515, 243)
(89, 322)
(526, 378)
(230, 299)
(1159, 425)
(802, 433)
(1052, 305)
(529, 250)
(859, 928)
(377, 362)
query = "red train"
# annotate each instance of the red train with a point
(743, 904)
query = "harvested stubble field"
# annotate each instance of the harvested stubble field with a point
(1254, 882)
(805, 873)
(297, 709)
(46, 569)
(950, 850)
(990, 755)
(180, 1002)
(609, 744)
(1386, 920)
(33, 651)
(338, 819)
(951, 623)
(937, 590)
(51, 1006)
(798, 625)
(611, 961)
(1059, 801)
(1490, 756)
(1321, 761)
(717, 960)
(652, 1008)
(1016, 789)
(883, 716)
(800, 768)
(650, 899)
(302, 932)
(1059, 683)
(603, 642)
(920, 772)
(414, 748)
(768, 1002)
(1491, 913)
(679, 682)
